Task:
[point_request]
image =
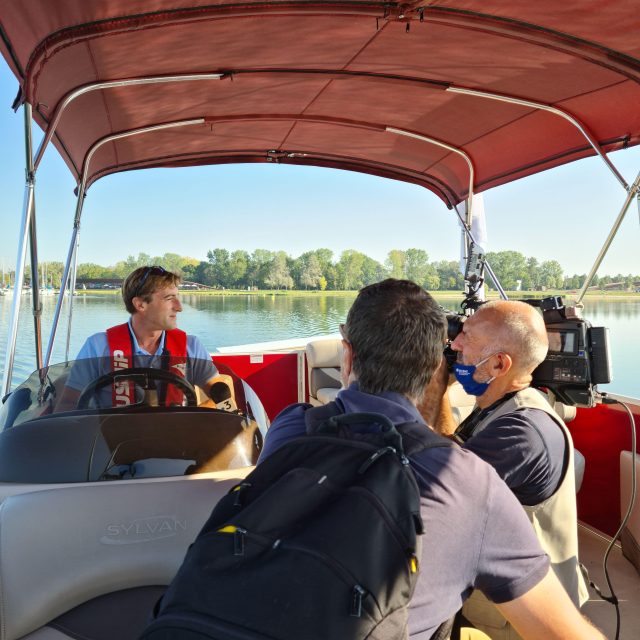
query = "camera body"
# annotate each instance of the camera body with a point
(454, 327)
(578, 356)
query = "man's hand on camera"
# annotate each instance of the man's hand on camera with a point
(434, 404)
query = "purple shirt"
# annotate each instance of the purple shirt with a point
(476, 533)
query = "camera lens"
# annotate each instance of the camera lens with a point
(454, 325)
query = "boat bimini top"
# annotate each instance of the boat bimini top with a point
(454, 95)
(424, 91)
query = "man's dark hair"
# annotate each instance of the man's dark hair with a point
(397, 333)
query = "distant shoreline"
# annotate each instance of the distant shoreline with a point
(438, 294)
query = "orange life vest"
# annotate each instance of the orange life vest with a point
(121, 351)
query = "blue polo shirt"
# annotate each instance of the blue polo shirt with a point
(527, 449)
(200, 367)
(476, 533)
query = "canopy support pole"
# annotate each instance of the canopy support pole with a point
(35, 287)
(556, 111)
(65, 275)
(72, 289)
(633, 192)
(27, 211)
(70, 263)
(112, 84)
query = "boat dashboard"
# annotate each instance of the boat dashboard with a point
(69, 423)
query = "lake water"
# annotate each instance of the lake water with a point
(229, 320)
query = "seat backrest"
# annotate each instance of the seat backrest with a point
(63, 548)
(323, 360)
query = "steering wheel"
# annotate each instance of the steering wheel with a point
(144, 376)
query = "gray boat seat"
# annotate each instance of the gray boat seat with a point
(462, 403)
(90, 560)
(630, 537)
(323, 361)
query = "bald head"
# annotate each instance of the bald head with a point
(515, 328)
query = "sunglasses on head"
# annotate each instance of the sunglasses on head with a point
(155, 271)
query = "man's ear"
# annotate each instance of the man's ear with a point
(346, 365)
(503, 365)
(138, 303)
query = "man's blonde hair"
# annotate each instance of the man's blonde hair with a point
(144, 282)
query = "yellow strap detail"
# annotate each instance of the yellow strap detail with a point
(230, 528)
(414, 564)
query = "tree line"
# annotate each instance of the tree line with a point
(320, 270)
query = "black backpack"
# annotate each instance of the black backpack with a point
(319, 542)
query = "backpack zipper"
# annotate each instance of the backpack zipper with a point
(358, 592)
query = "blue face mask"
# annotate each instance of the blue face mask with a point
(464, 375)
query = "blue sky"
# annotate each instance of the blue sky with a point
(563, 214)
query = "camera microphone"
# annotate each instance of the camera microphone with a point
(220, 393)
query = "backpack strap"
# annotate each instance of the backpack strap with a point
(410, 437)
(446, 630)
(332, 420)
(317, 415)
(417, 436)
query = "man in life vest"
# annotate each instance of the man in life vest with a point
(514, 428)
(150, 338)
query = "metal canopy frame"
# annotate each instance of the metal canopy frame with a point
(28, 221)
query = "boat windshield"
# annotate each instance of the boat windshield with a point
(88, 421)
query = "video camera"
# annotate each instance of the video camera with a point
(578, 356)
(454, 327)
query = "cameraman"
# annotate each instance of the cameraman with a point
(515, 429)
(475, 532)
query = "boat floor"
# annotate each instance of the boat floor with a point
(625, 580)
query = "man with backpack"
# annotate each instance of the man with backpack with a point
(475, 532)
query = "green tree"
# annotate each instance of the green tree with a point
(372, 271)
(349, 267)
(205, 273)
(396, 263)
(258, 268)
(219, 260)
(310, 272)
(531, 281)
(189, 270)
(416, 266)
(279, 275)
(237, 268)
(509, 267)
(328, 268)
(448, 273)
(551, 275)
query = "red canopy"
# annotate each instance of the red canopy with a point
(310, 82)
